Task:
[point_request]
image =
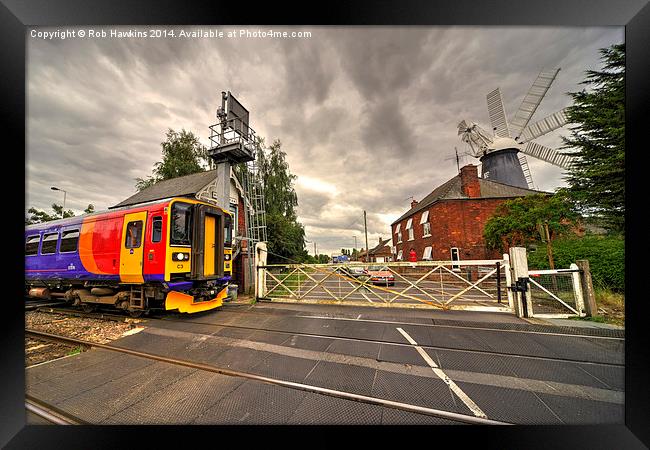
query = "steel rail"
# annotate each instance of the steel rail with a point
(400, 344)
(50, 413)
(289, 384)
(90, 315)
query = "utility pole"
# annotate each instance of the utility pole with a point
(365, 227)
(315, 254)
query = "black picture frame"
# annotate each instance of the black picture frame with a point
(17, 15)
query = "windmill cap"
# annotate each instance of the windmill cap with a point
(502, 143)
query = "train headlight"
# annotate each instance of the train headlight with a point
(226, 257)
(180, 256)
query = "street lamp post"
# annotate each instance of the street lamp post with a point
(64, 195)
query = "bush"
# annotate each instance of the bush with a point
(606, 256)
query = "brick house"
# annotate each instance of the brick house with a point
(382, 252)
(448, 223)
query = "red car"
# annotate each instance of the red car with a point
(381, 276)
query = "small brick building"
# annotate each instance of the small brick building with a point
(448, 223)
(380, 253)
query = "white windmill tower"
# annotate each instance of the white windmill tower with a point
(503, 154)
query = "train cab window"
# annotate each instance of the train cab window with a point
(133, 234)
(48, 247)
(156, 229)
(31, 245)
(181, 224)
(69, 241)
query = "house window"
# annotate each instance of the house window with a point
(426, 225)
(426, 229)
(133, 234)
(31, 245)
(398, 232)
(409, 227)
(69, 241)
(49, 244)
(455, 257)
(399, 255)
(427, 253)
(235, 211)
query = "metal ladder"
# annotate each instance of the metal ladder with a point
(255, 210)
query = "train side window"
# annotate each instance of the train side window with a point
(133, 234)
(31, 245)
(156, 229)
(48, 247)
(69, 241)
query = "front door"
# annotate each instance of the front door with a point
(132, 250)
(209, 250)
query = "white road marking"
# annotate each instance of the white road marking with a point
(443, 376)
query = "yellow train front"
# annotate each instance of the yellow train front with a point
(171, 254)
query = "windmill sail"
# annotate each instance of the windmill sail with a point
(546, 125)
(497, 113)
(532, 100)
(547, 154)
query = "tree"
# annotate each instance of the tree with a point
(90, 209)
(183, 154)
(40, 216)
(597, 178)
(525, 220)
(286, 236)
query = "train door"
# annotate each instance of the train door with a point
(207, 245)
(210, 244)
(132, 249)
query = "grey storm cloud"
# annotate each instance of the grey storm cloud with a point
(367, 115)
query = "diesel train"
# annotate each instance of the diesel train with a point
(172, 254)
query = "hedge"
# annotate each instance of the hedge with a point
(606, 256)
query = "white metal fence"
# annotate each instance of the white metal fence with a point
(556, 293)
(479, 285)
(437, 284)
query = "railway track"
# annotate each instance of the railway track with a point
(327, 336)
(50, 413)
(462, 418)
(32, 304)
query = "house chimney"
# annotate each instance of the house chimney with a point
(469, 181)
(413, 203)
(380, 239)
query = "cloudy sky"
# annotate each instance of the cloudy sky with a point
(367, 115)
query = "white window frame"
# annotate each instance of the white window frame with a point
(425, 217)
(399, 236)
(424, 229)
(399, 256)
(454, 267)
(428, 250)
(409, 227)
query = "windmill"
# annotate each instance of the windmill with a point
(503, 153)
